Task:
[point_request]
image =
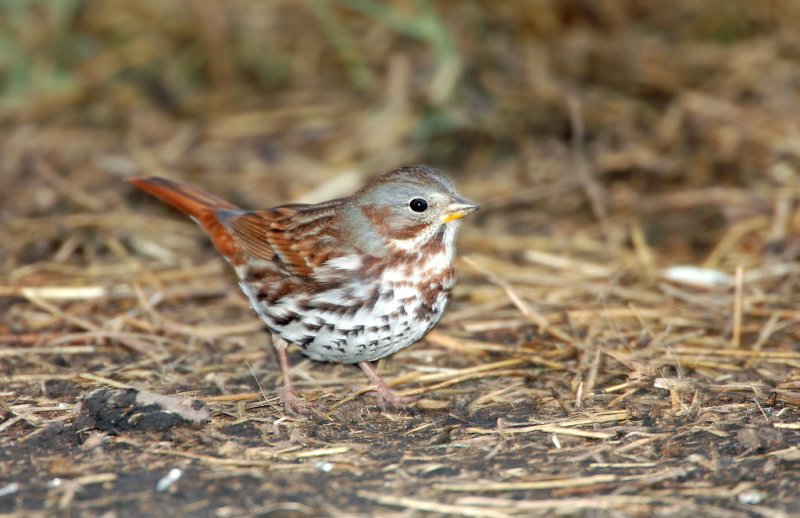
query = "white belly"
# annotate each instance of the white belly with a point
(337, 326)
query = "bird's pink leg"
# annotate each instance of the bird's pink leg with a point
(385, 395)
(292, 402)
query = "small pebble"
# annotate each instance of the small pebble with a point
(9, 489)
(751, 497)
(165, 483)
(323, 466)
(696, 276)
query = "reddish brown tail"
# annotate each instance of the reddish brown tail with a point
(197, 204)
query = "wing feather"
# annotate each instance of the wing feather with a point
(301, 238)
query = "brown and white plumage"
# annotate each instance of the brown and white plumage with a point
(350, 280)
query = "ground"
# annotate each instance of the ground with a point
(623, 338)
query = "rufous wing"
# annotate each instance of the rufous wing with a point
(298, 238)
(307, 237)
(297, 246)
(249, 230)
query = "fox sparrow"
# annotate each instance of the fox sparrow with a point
(350, 280)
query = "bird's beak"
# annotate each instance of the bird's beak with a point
(459, 208)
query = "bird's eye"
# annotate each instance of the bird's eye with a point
(418, 205)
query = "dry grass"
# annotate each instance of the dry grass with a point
(577, 371)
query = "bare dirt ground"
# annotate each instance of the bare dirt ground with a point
(577, 371)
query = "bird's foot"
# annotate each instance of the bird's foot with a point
(293, 403)
(386, 396)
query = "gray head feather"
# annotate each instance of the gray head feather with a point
(382, 210)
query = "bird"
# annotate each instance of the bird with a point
(350, 280)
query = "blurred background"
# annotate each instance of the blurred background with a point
(606, 142)
(562, 117)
